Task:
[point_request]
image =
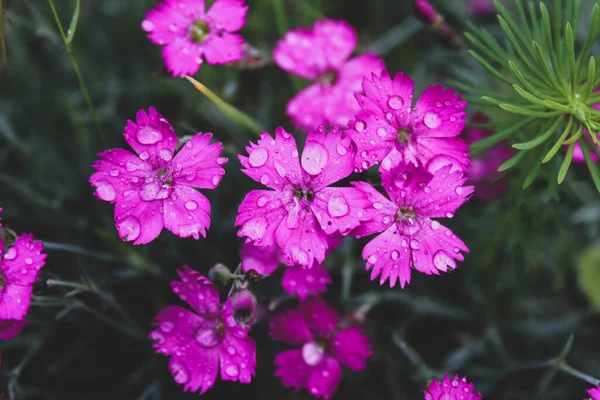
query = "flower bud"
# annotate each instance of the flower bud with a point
(427, 13)
(243, 303)
(219, 274)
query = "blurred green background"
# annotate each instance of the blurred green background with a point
(514, 302)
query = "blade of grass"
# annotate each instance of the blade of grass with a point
(74, 20)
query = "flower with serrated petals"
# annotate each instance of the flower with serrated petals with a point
(323, 348)
(20, 263)
(451, 389)
(296, 280)
(594, 393)
(409, 237)
(155, 189)
(190, 34)
(389, 131)
(302, 210)
(201, 341)
(321, 55)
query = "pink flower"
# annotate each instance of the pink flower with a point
(19, 267)
(409, 237)
(425, 11)
(198, 342)
(451, 389)
(154, 189)
(302, 210)
(190, 34)
(387, 130)
(481, 7)
(321, 55)
(594, 393)
(315, 365)
(296, 280)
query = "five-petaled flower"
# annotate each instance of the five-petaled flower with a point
(155, 189)
(302, 210)
(389, 131)
(454, 388)
(323, 347)
(321, 55)
(198, 342)
(190, 34)
(409, 237)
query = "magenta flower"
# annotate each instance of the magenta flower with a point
(409, 237)
(19, 267)
(481, 7)
(323, 347)
(426, 12)
(321, 55)
(451, 389)
(198, 342)
(594, 393)
(296, 280)
(190, 34)
(302, 210)
(387, 130)
(154, 189)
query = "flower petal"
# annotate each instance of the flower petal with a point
(324, 379)
(305, 281)
(187, 212)
(292, 369)
(374, 139)
(320, 318)
(198, 292)
(152, 138)
(196, 368)
(351, 348)
(290, 327)
(425, 149)
(438, 113)
(381, 211)
(198, 164)
(23, 261)
(335, 40)
(301, 239)
(435, 247)
(182, 57)
(389, 256)
(223, 48)
(14, 301)
(340, 209)
(238, 359)
(259, 216)
(171, 19)
(229, 15)
(138, 220)
(9, 329)
(264, 260)
(383, 96)
(175, 328)
(306, 108)
(273, 162)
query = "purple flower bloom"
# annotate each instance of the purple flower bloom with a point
(387, 130)
(198, 342)
(154, 189)
(302, 210)
(321, 55)
(425, 11)
(190, 34)
(315, 365)
(409, 237)
(451, 389)
(296, 280)
(20, 264)
(594, 393)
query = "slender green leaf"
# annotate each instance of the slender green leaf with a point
(486, 49)
(535, 28)
(558, 106)
(593, 30)
(557, 66)
(526, 95)
(512, 161)
(592, 167)
(74, 20)
(591, 78)
(562, 172)
(576, 14)
(557, 27)
(535, 170)
(559, 142)
(488, 39)
(237, 116)
(570, 54)
(489, 67)
(576, 136)
(498, 136)
(543, 64)
(552, 192)
(526, 111)
(541, 138)
(528, 84)
(523, 17)
(514, 27)
(517, 47)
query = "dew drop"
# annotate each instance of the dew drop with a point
(10, 254)
(395, 102)
(442, 261)
(148, 26)
(191, 205)
(165, 154)
(414, 244)
(458, 190)
(280, 169)
(342, 150)
(106, 191)
(262, 200)
(258, 157)
(114, 172)
(255, 229)
(180, 373)
(148, 135)
(265, 179)
(360, 126)
(129, 228)
(337, 206)
(435, 225)
(167, 326)
(432, 119)
(144, 155)
(314, 158)
(28, 261)
(395, 255)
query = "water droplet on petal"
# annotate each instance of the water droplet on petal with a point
(280, 169)
(148, 26)
(150, 191)
(129, 228)
(28, 261)
(459, 190)
(148, 135)
(216, 179)
(312, 353)
(435, 225)
(432, 119)
(191, 205)
(442, 261)
(114, 172)
(258, 157)
(265, 179)
(144, 155)
(337, 205)
(255, 229)
(231, 350)
(381, 132)
(167, 326)
(314, 158)
(180, 373)
(395, 255)
(232, 370)
(414, 244)
(165, 154)
(449, 215)
(395, 102)
(342, 150)
(105, 191)
(360, 126)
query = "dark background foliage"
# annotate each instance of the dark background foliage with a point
(514, 301)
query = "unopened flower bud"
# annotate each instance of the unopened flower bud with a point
(425, 11)
(220, 274)
(243, 303)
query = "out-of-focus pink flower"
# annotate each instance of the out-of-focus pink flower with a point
(425, 11)
(315, 365)
(451, 389)
(296, 280)
(321, 55)
(302, 210)
(594, 393)
(155, 189)
(389, 131)
(190, 34)
(20, 264)
(481, 7)
(201, 341)
(409, 236)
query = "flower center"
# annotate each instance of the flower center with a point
(199, 31)
(210, 333)
(403, 137)
(313, 353)
(158, 188)
(407, 221)
(328, 78)
(301, 194)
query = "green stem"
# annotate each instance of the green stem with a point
(82, 86)
(564, 367)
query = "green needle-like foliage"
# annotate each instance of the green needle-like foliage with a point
(550, 79)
